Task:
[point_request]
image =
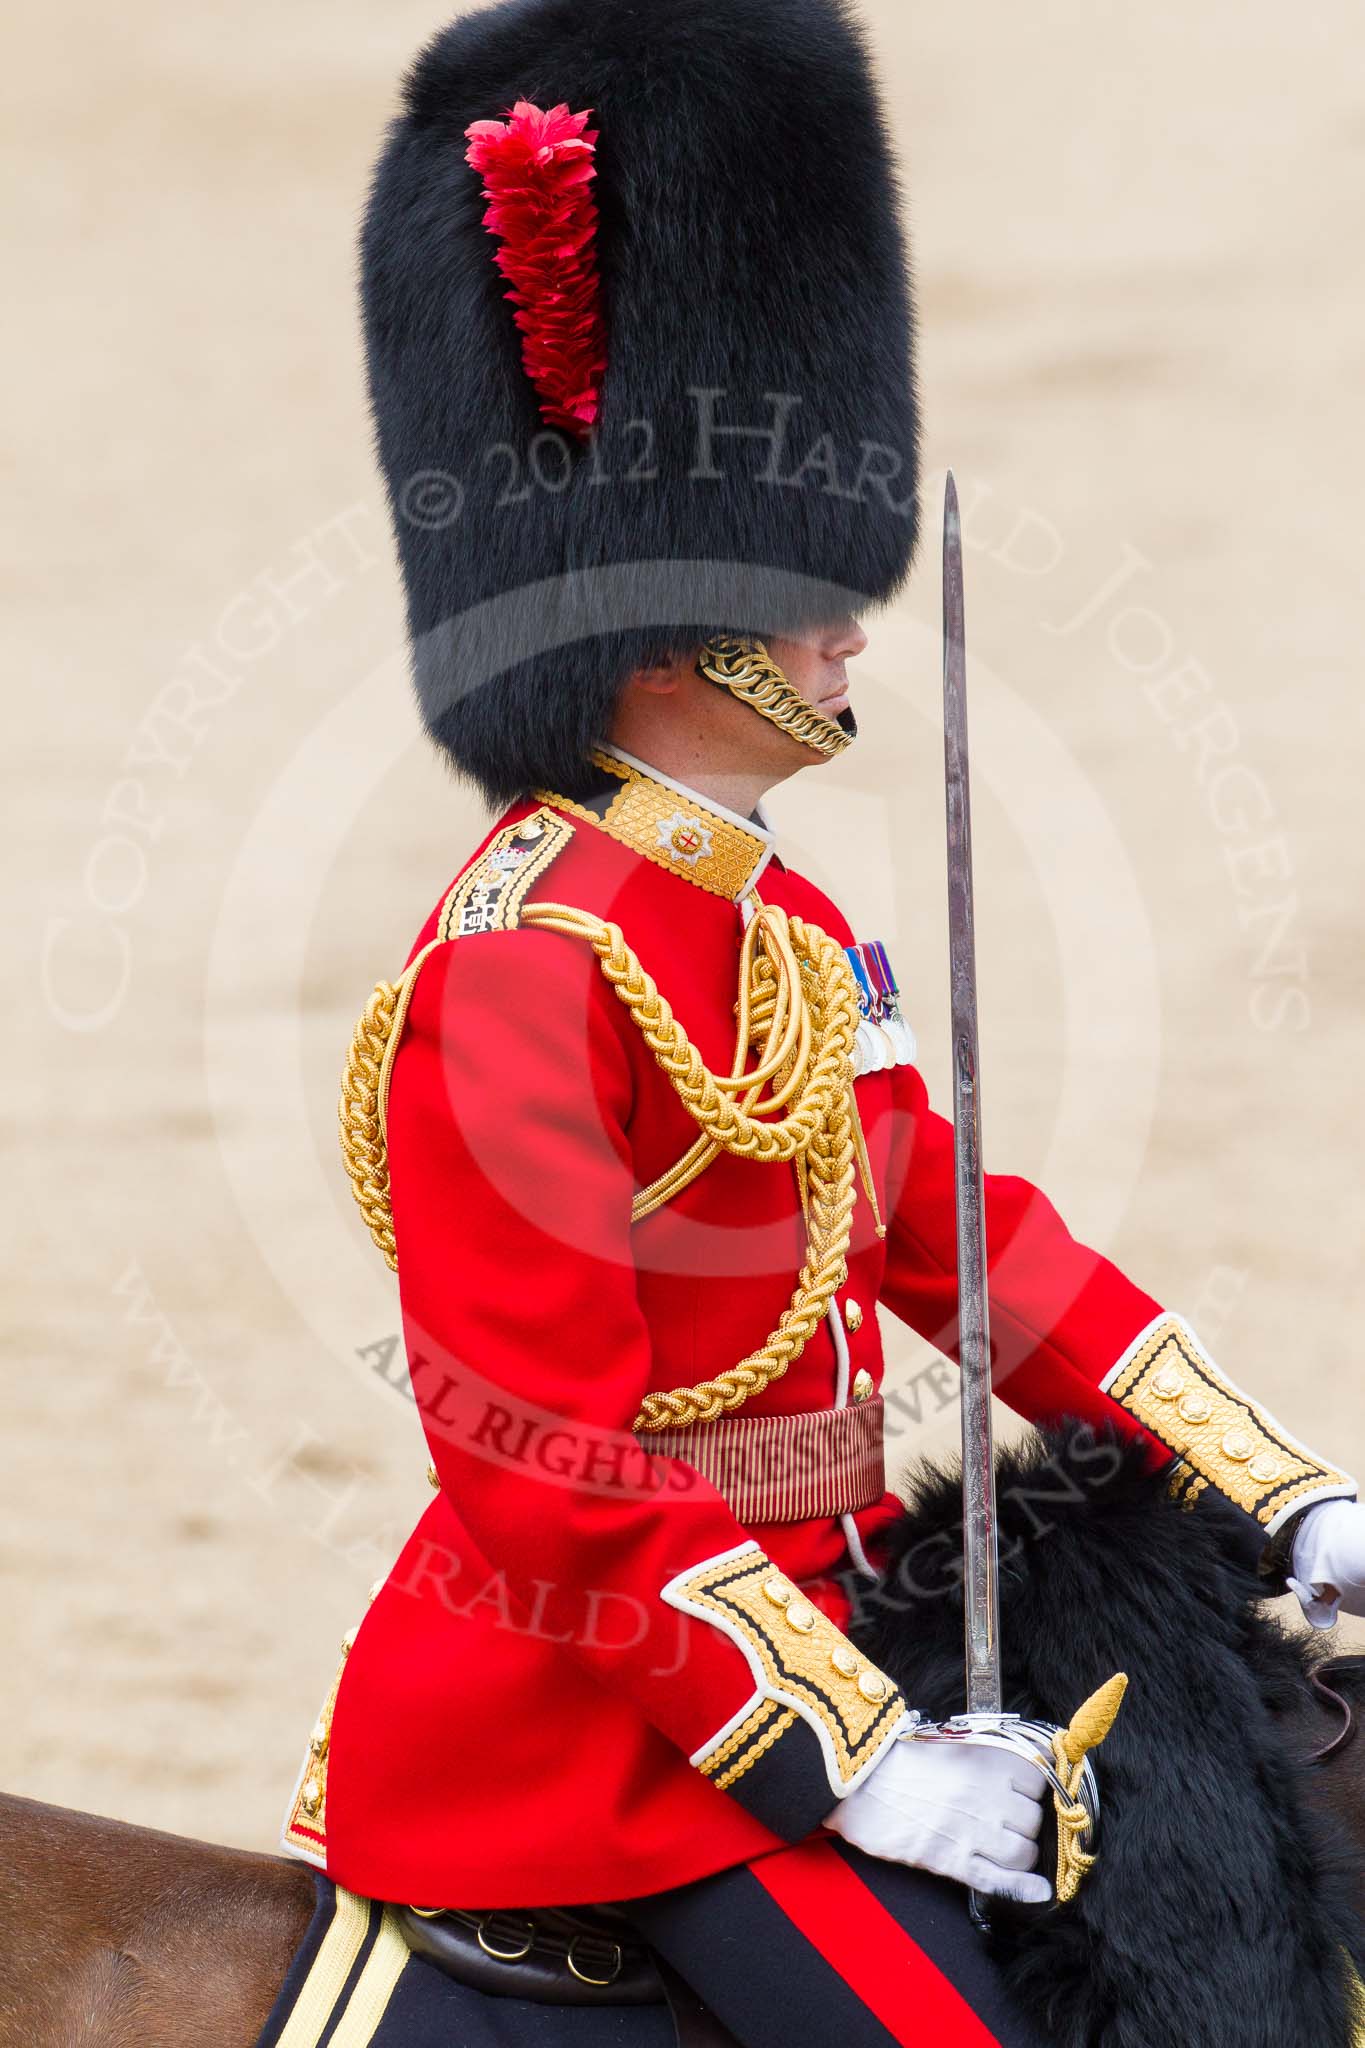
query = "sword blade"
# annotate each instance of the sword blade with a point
(980, 1529)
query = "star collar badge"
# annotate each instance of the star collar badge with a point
(686, 837)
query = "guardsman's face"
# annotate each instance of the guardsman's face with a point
(671, 714)
(816, 667)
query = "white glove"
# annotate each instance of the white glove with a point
(1328, 1564)
(957, 1808)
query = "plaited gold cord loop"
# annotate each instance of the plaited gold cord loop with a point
(362, 1112)
(363, 1149)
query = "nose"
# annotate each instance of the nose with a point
(844, 639)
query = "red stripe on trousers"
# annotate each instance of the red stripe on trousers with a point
(834, 1911)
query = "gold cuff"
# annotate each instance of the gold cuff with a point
(803, 1667)
(1169, 1385)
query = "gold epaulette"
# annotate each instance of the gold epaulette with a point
(489, 895)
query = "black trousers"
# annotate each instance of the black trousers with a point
(819, 1946)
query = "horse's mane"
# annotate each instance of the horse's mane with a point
(1222, 1912)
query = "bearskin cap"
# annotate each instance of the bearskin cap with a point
(692, 412)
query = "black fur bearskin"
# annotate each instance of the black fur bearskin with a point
(1221, 1914)
(749, 246)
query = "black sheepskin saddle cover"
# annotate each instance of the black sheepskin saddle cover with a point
(1221, 1912)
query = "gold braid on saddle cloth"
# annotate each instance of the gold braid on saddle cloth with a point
(797, 1009)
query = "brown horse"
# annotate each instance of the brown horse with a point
(116, 1937)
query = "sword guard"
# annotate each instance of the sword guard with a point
(1063, 1757)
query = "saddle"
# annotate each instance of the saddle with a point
(553, 1956)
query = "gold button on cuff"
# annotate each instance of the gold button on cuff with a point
(862, 1385)
(348, 1641)
(375, 1590)
(317, 1741)
(853, 1314)
(433, 1478)
(310, 1798)
(1168, 1385)
(778, 1591)
(806, 1671)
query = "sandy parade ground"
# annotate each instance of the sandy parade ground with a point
(1138, 240)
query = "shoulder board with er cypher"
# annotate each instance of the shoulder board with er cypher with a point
(489, 894)
(487, 898)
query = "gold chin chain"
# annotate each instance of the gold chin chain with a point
(798, 1009)
(744, 666)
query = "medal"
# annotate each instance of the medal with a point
(873, 1047)
(892, 1020)
(872, 1041)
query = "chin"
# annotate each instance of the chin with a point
(846, 720)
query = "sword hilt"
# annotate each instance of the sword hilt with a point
(1062, 1755)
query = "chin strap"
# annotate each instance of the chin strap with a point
(744, 667)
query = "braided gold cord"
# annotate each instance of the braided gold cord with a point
(760, 1010)
(797, 1009)
(361, 1125)
(706, 1096)
(809, 1013)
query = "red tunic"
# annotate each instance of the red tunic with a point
(514, 1722)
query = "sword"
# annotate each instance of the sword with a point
(1061, 1754)
(980, 1528)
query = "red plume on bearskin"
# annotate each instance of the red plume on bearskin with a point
(537, 170)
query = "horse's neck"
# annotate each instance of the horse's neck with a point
(125, 1938)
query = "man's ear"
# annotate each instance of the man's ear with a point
(657, 678)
